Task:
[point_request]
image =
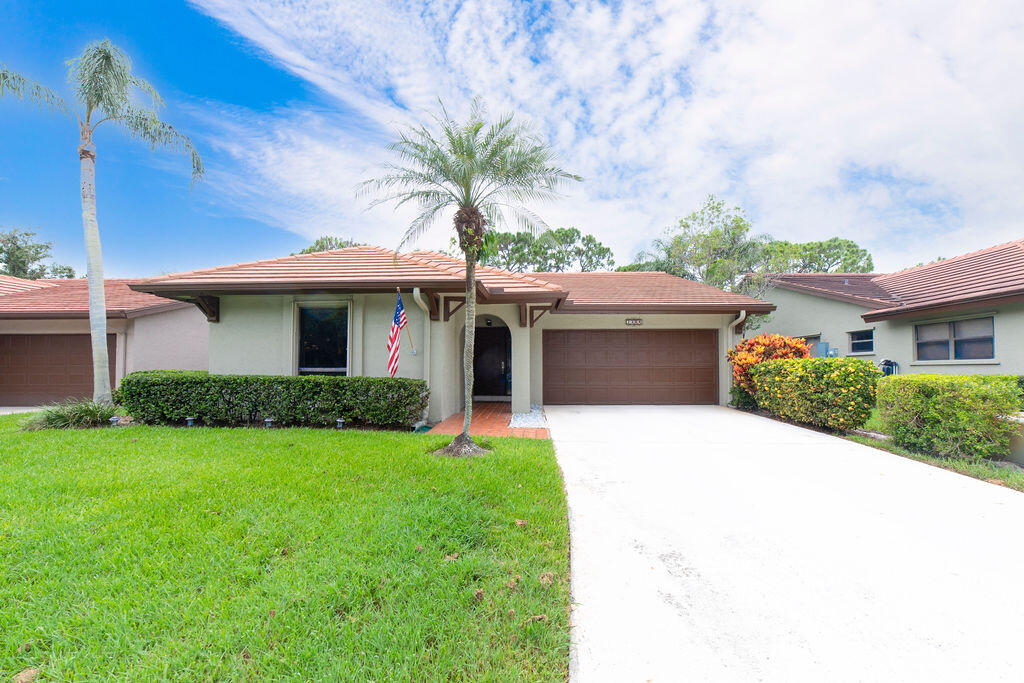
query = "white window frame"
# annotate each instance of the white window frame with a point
(851, 341)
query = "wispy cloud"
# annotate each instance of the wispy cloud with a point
(895, 126)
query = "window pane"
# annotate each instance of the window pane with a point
(862, 335)
(979, 327)
(862, 346)
(932, 332)
(933, 350)
(974, 348)
(323, 340)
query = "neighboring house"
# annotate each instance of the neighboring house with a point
(541, 337)
(963, 315)
(45, 349)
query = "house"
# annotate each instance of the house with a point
(963, 315)
(45, 348)
(540, 338)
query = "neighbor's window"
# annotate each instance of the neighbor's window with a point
(862, 341)
(958, 340)
(323, 340)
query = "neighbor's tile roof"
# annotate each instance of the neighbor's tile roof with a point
(70, 299)
(974, 278)
(970, 279)
(633, 291)
(10, 284)
(859, 288)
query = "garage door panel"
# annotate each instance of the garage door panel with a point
(630, 366)
(43, 368)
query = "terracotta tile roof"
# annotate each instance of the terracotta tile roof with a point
(629, 292)
(975, 278)
(70, 299)
(10, 284)
(354, 268)
(378, 269)
(858, 288)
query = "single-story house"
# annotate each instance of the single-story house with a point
(45, 348)
(571, 338)
(963, 315)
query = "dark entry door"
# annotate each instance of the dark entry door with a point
(492, 362)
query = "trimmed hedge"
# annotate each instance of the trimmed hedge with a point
(959, 416)
(838, 393)
(168, 397)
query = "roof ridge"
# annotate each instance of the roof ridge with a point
(278, 259)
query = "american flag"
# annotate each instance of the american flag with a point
(397, 324)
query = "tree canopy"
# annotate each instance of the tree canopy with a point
(834, 255)
(22, 256)
(554, 250)
(328, 243)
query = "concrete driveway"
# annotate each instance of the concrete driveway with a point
(709, 544)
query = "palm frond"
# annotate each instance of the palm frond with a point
(144, 124)
(24, 89)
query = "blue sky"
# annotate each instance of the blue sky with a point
(898, 128)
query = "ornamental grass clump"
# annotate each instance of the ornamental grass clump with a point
(74, 414)
(837, 393)
(956, 416)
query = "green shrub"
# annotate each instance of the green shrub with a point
(741, 398)
(74, 414)
(838, 393)
(168, 397)
(961, 416)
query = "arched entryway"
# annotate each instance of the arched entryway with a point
(492, 360)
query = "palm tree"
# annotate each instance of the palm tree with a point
(107, 91)
(482, 170)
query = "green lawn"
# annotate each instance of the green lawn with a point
(152, 553)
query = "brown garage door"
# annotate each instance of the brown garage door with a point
(42, 368)
(630, 366)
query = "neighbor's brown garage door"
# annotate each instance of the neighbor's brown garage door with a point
(630, 366)
(42, 368)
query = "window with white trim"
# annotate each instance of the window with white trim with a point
(971, 339)
(862, 341)
(323, 340)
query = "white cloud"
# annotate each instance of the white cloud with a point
(896, 126)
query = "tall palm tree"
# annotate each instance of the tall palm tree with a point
(106, 90)
(482, 170)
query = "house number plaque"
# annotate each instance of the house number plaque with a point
(634, 322)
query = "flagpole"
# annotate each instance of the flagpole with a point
(407, 332)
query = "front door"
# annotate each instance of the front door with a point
(492, 362)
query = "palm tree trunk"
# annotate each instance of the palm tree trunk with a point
(94, 269)
(469, 350)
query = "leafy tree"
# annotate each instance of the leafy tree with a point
(714, 245)
(553, 250)
(834, 255)
(105, 90)
(328, 243)
(21, 256)
(482, 170)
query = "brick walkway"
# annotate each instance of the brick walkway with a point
(489, 419)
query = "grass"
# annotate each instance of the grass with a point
(979, 468)
(151, 553)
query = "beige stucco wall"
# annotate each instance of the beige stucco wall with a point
(804, 314)
(258, 334)
(173, 340)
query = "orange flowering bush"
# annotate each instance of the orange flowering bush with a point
(751, 352)
(838, 393)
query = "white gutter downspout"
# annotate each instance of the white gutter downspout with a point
(418, 298)
(736, 323)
